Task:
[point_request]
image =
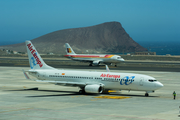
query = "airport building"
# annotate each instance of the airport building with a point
(144, 53)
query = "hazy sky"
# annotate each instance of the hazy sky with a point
(143, 20)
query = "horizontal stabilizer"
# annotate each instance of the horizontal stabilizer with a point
(27, 77)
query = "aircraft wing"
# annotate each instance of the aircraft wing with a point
(64, 83)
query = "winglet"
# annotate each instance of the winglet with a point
(107, 69)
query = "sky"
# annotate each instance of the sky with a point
(143, 20)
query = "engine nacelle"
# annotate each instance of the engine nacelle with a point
(93, 89)
(95, 62)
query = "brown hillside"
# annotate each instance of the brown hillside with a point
(108, 37)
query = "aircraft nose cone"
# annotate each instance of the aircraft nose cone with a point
(122, 59)
(159, 85)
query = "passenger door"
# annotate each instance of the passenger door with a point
(141, 81)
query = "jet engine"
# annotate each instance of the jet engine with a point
(95, 62)
(93, 89)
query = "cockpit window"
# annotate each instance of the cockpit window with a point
(152, 80)
(118, 57)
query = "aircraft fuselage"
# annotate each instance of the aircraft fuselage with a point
(110, 80)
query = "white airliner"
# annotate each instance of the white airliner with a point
(88, 82)
(93, 59)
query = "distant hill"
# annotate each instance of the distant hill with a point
(109, 37)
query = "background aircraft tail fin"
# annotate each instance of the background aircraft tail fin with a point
(69, 50)
(35, 60)
(107, 69)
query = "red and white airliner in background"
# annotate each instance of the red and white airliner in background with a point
(93, 59)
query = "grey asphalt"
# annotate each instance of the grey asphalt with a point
(140, 65)
(20, 99)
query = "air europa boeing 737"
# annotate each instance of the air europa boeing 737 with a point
(93, 59)
(88, 82)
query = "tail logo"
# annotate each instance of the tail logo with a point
(35, 57)
(32, 63)
(69, 50)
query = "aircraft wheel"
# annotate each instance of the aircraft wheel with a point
(81, 91)
(90, 64)
(146, 94)
(105, 92)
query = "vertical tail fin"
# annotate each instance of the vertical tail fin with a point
(69, 50)
(35, 60)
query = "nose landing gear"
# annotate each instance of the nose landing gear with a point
(147, 93)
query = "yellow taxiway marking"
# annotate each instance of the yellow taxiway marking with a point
(112, 97)
(109, 91)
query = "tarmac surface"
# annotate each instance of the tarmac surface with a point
(140, 65)
(20, 99)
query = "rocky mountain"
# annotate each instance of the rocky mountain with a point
(109, 37)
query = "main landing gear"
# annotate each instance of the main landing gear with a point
(90, 64)
(146, 94)
(81, 91)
